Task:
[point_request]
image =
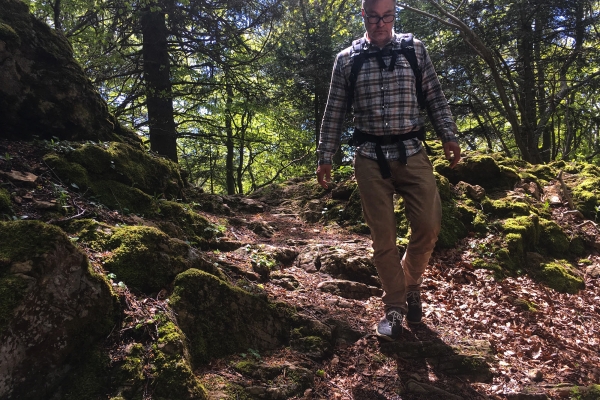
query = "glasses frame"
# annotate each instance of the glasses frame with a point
(370, 19)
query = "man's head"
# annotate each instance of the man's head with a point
(375, 14)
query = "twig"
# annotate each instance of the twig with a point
(565, 190)
(588, 222)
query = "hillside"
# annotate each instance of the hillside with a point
(495, 326)
(121, 280)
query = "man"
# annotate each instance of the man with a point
(390, 157)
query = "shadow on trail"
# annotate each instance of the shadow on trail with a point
(429, 368)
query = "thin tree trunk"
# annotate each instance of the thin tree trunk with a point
(159, 96)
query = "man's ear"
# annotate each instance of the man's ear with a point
(362, 12)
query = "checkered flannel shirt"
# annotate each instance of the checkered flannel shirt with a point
(385, 102)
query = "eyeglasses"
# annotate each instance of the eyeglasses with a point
(375, 20)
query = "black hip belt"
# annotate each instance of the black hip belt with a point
(359, 137)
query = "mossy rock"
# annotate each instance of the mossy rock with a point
(452, 229)
(130, 166)
(527, 229)
(5, 203)
(544, 173)
(220, 319)
(503, 208)
(560, 276)
(552, 239)
(119, 175)
(51, 302)
(174, 376)
(482, 170)
(586, 195)
(89, 231)
(194, 226)
(126, 199)
(443, 186)
(70, 172)
(352, 213)
(145, 258)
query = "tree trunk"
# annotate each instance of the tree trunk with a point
(230, 176)
(159, 97)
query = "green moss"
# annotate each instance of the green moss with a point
(543, 172)
(130, 166)
(18, 244)
(402, 226)
(525, 305)
(220, 319)
(577, 246)
(194, 225)
(353, 210)
(126, 199)
(505, 208)
(552, 238)
(5, 203)
(515, 245)
(174, 376)
(69, 172)
(592, 392)
(526, 227)
(560, 276)
(587, 197)
(89, 231)
(480, 223)
(452, 229)
(145, 258)
(443, 186)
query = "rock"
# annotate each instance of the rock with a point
(552, 194)
(593, 271)
(46, 205)
(57, 308)
(288, 282)
(43, 91)
(261, 228)
(342, 264)
(475, 192)
(20, 178)
(220, 319)
(349, 289)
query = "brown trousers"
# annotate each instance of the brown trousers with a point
(416, 183)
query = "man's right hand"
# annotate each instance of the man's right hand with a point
(324, 175)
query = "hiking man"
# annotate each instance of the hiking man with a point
(387, 94)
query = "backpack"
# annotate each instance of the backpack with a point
(359, 54)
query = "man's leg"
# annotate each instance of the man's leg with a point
(416, 184)
(377, 197)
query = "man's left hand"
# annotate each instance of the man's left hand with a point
(452, 152)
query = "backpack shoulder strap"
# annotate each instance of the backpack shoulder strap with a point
(408, 50)
(358, 55)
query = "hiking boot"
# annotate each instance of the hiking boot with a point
(390, 325)
(415, 309)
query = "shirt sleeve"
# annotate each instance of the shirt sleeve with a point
(437, 105)
(335, 112)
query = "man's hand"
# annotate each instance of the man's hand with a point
(324, 175)
(452, 152)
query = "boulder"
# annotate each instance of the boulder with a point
(52, 307)
(43, 91)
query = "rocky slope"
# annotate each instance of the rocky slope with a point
(119, 280)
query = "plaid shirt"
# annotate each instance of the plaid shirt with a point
(385, 102)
